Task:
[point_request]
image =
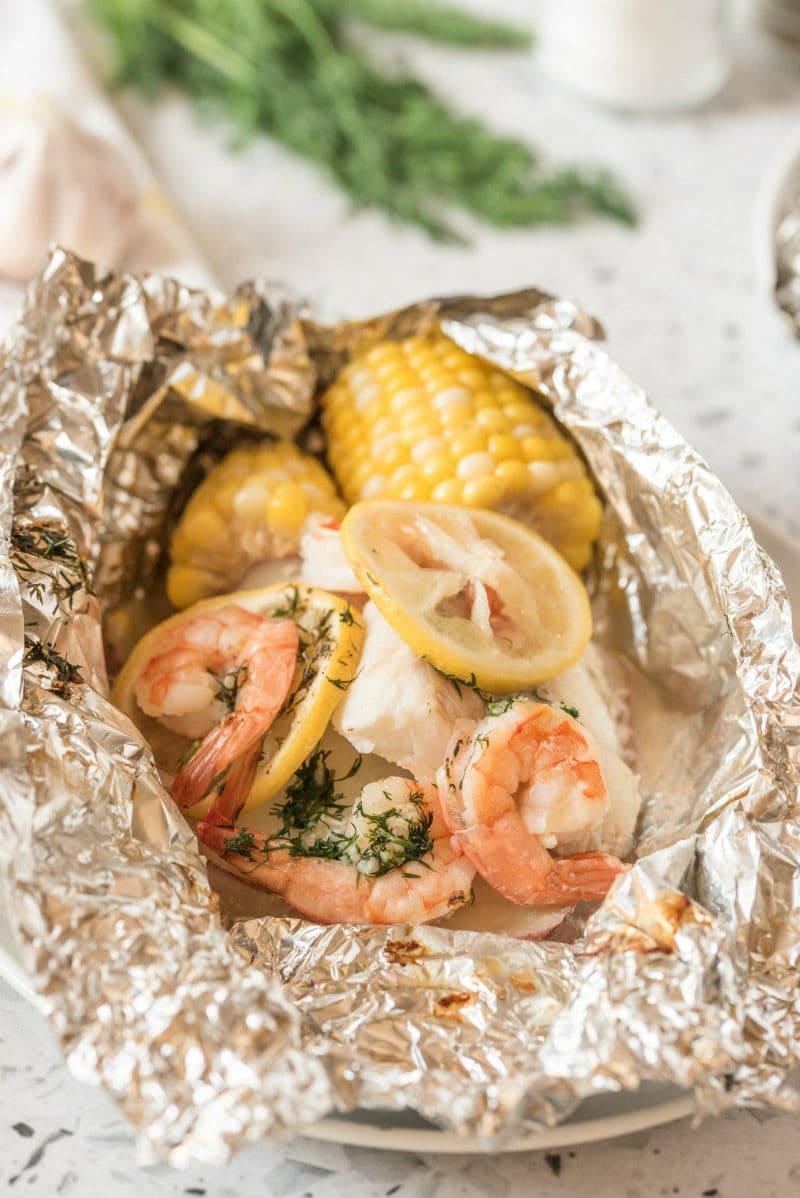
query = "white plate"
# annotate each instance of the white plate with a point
(598, 1118)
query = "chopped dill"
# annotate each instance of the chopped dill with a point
(499, 706)
(453, 679)
(65, 672)
(311, 796)
(315, 651)
(67, 573)
(294, 605)
(387, 849)
(243, 843)
(573, 711)
(229, 687)
(346, 616)
(341, 684)
(314, 812)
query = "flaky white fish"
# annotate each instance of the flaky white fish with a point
(399, 706)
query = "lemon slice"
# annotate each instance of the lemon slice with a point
(331, 635)
(482, 597)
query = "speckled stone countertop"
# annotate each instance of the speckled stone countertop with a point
(685, 317)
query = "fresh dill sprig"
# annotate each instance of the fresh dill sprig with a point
(436, 22)
(290, 69)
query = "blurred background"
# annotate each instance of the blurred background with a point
(641, 156)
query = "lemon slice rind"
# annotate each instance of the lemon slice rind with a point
(539, 590)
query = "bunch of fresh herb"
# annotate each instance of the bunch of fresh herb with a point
(288, 68)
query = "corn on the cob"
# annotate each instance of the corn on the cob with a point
(422, 419)
(250, 508)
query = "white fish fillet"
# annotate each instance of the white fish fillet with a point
(400, 707)
(596, 686)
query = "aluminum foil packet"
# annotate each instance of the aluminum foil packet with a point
(213, 1033)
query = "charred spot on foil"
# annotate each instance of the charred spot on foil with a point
(657, 923)
(403, 952)
(449, 1005)
(523, 981)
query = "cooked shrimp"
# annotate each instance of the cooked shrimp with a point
(515, 785)
(399, 862)
(222, 675)
(323, 562)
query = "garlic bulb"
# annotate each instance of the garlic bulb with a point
(59, 183)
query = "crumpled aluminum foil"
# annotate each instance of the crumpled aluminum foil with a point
(787, 264)
(209, 1039)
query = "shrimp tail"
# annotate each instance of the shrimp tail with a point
(230, 739)
(212, 831)
(238, 781)
(224, 836)
(584, 877)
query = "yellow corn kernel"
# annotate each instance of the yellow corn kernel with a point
(504, 447)
(184, 583)
(287, 509)
(437, 469)
(514, 475)
(428, 447)
(396, 455)
(486, 491)
(403, 475)
(476, 465)
(384, 352)
(421, 417)
(492, 419)
(202, 524)
(457, 417)
(544, 449)
(415, 489)
(472, 377)
(467, 443)
(450, 491)
(405, 399)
